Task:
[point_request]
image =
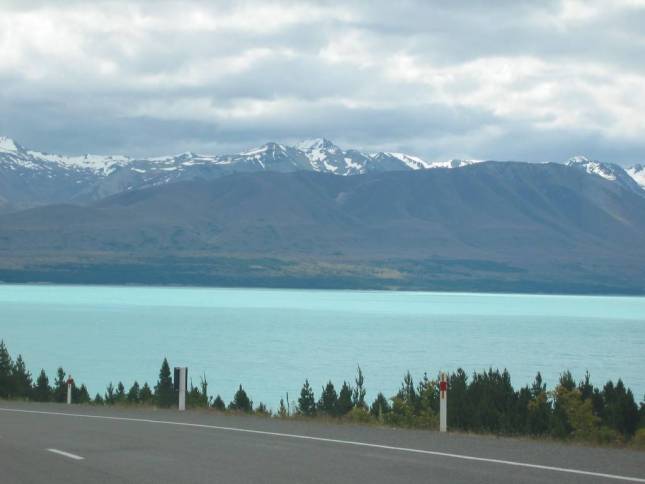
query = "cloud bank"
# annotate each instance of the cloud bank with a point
(534, 81)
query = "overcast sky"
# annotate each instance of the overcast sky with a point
(534, 81)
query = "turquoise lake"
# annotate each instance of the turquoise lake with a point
(271, 340)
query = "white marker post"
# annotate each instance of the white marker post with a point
(443, 403)
(181, 384)
(70, 383)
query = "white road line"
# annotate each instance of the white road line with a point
(66, 454)
(343, 442)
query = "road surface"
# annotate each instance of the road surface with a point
(55, 443)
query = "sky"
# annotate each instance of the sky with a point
(504, 80)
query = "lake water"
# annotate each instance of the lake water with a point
(271, 340)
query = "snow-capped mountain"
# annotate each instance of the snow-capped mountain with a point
(29, 178)
(637, 172)
(629, 178)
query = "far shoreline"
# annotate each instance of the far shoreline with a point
(393, 290)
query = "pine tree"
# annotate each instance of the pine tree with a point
(82, 395)
(98, 399)
(109, 395)
(219, 404)
(538, 385)
(345, 403)
(133, 393)
(164, 390)
(241, 402)
(203, 383)
(262, 409)
(119, 396)
(282, 411)
(458, 403)
(307, 401)
(328, 400)
(539, 409)
(21, 378)
(60, 386)
(198, 396)
(42, 392)
(380, 407)
(145, 396)
(620, 411)
(6, 378)
(358, 395)
(427, 396)
(567, 381)
(407, 393)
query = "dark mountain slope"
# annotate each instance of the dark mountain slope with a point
(545, 227)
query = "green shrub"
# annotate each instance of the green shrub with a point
(360, 415)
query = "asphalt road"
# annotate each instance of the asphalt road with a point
(53, 443)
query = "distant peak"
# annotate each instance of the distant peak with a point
(316, 143)
(593, 167)
(270, 147)
(7, 144)
(579, 160)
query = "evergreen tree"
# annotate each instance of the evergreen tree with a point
(6, 377)
(21, 379)
(307, 401)
(358, 395)
(458, 403)
(198, 396)
(427, 401)
(164, 390)
(203, 383)
(328, 400)
(219, 404)
(345, 403)
(407, 392)
(82, 395)
(563, 402)
(133, 393)
(109, 398)
(262, 409)
(494, 401)
(241, 402)
(60, 386)
(119, 395)
(538, 386)
(539, 409)
(282, 411)
(42, 392)
(380, 407)
(145, 396)
(620, 410)
(585, 387)
(98, 399)
(566, 381)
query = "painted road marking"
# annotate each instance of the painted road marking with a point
(337, 441)
(66, 454)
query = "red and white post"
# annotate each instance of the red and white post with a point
(443, 403)
(70, 383)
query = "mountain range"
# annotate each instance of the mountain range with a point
(281, 216)
(31, 178)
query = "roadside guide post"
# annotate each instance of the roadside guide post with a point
(443, 403)
(181, 384)
(70, 383)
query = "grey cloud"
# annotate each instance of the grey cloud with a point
(358, 100)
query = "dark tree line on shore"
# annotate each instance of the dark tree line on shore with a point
(484, 402)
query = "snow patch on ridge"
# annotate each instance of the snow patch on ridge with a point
(637, 172)
(7, 144)
(593, 167)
